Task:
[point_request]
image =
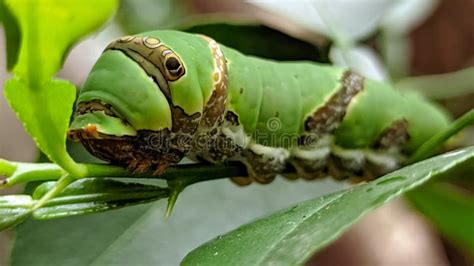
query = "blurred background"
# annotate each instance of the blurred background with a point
(394, 41)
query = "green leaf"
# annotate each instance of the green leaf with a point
(141, 235)
(84, 196)
(45, 115)
(450, 210)
(290, 237)
(14, 209)
(49, 28)
(93, 195)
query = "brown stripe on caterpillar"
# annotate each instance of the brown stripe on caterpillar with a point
(326, 119)
(213, 112)
(394, 136)
(216, 146)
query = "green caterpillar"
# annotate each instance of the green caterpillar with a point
(154, 98)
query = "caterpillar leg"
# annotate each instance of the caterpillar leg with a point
(346, 163)
(362, 164)
(311, 162)
(327, 159)
(263, 162)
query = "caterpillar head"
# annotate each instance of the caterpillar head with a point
(140, 100)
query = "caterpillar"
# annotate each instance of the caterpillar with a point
(154, 98)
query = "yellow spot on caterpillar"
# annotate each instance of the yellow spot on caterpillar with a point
(216, 76)
(151, 42)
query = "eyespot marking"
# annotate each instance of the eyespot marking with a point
(174, 67)
(151, 42)
(172, 64)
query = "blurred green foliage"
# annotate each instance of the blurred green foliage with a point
(145, 15)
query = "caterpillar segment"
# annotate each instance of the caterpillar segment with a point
(157, 97)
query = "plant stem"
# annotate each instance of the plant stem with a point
(7, 168)
(62, 183)
(429, 147)
(187, 173)
(28, 172)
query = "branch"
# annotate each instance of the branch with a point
(96, 192)
(18, 172)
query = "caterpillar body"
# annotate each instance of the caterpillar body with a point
(154, 98)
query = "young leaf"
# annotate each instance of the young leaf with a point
(48, 28)
(290, 237)
(84, 196)
(92, 195)
(45, 115)
(142, 235)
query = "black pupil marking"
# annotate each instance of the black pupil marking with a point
(172, 64)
